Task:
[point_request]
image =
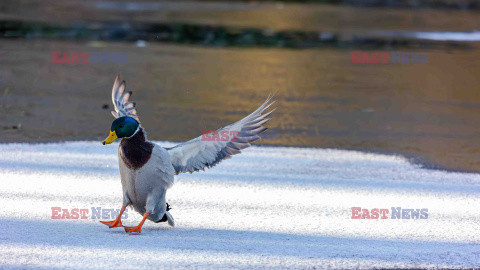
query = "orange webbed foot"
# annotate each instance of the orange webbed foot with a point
(117, 222)
(113, 223)
(136, 229)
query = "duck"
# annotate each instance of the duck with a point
(147, 170)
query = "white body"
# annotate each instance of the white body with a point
(145, 188)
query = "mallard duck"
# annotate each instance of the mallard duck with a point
(147, 170)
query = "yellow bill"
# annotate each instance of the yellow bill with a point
(111, 138)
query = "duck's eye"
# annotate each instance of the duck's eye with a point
(121, 126)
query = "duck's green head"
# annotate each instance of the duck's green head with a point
(122, 127)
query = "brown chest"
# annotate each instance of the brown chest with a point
(135, 154)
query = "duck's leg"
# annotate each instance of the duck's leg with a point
(117, 222)
(137, 228)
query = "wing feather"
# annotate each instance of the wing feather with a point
(120, 100)
(198, 154)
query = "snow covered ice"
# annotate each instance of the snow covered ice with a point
(269, 207)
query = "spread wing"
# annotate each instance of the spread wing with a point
(123, 107)
(209, 149)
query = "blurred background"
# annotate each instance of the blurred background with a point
(196, 65)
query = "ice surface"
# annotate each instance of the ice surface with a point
(270, 207)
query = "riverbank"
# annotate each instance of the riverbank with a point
(275, 208)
